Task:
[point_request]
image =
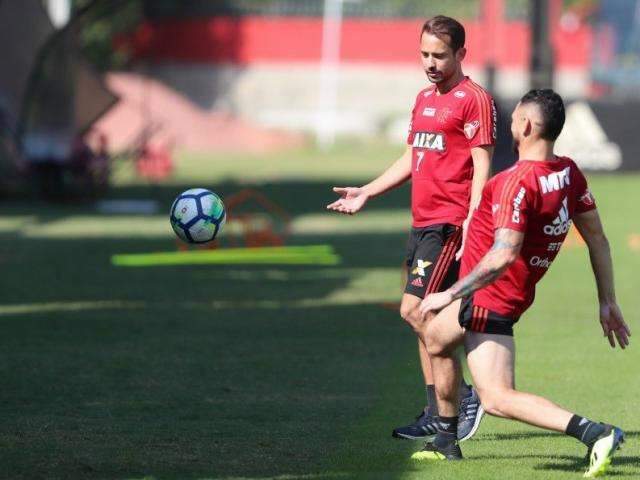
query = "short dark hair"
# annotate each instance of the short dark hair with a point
(552, 109)
(442, 26)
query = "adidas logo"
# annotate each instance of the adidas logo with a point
(561, 223)
(418, 282)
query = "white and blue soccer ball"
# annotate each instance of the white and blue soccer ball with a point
(197, 215)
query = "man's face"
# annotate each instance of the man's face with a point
(438, 59)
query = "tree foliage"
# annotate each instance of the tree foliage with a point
(99, 24)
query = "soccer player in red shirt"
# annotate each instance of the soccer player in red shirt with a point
(514, 236)
(447, 158)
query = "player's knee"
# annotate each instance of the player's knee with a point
(494, 401)
(405, 311)
(409, 314)
(436, 346)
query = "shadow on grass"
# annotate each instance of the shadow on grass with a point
(576, 464)
(515, 435)
(565, 463)
(526, 435)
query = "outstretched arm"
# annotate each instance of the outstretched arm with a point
(352, 199)
(506, 247)
(611, 319)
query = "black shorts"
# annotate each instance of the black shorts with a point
(431, 259)
(478, 319)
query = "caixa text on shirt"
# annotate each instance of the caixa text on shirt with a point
(430, 141)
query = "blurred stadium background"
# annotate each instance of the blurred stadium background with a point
(109, 109)
(103, 79)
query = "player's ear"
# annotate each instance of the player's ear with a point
(461, 53)
(528, 127)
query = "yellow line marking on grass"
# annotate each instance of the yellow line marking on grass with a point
(296, 255)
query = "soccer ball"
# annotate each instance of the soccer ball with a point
(197, 215)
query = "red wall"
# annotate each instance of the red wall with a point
(247, 40)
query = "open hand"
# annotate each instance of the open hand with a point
(351, 200)
(435, 302)
(613, 325)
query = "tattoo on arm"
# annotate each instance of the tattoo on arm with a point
(504, 251)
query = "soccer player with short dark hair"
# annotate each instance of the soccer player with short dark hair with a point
(448, 156)
(514, 237)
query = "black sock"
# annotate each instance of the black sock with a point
(447, 431)
(584, 429)
(432, 401)
(465, 389)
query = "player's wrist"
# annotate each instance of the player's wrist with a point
(366, 191)
(453, 294)
(607, 301)
(606, 295)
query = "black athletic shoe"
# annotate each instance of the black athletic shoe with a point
(424, 428)
(432, 452)
(469, 416)
(601, 451)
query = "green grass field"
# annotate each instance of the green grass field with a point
(266, 371)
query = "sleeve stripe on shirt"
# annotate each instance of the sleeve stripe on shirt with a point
(508, 191)
(486, 114)
(481, 106)
(488, 117)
